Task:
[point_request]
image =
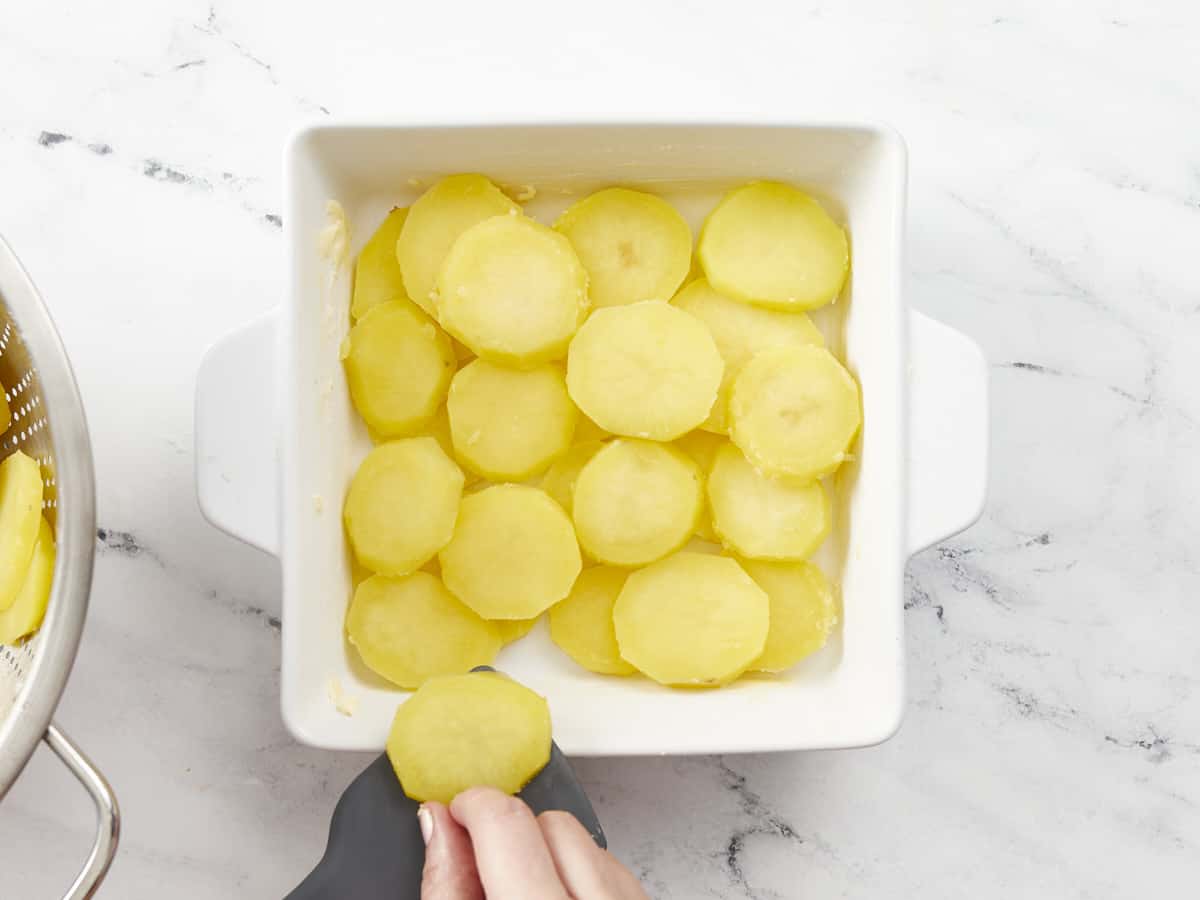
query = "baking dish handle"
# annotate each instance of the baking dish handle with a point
(948, 432)
(237, 434)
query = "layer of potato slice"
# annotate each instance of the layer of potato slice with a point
(582, 625)
(5, 412)
(772, 244)
(513, 554)
(434, 223)
(741, 331)
(463, 731)
(377, 276)
(763, 517)
(402, 505)
(692, 620)
(636, 501)
(646, 370)
(702, 447)
(25, 615)
(20, 513)
(803, 611)
(513, 291)
(635, 246)
(512, 630)
(559, 481)
(410, 629)
(398, 367)
(794, 411)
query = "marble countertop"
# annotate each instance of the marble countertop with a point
(1052, 741)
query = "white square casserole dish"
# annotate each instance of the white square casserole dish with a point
(277, 438)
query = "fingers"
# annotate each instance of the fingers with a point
(585, 869)
(450, 872)
(510, 851)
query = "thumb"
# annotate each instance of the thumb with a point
(450, 872)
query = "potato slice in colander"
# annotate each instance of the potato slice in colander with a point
(410, 629)
(702, 447)
(402, 505)
(463, 731)
(803, 611)
(20, 512)
(560, 478)
(5, 412)
(435, 222)
(635, 246)
(24, 617)
(582, 625)
(377, 276)
(512, 630)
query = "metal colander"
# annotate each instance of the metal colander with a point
(48, 424)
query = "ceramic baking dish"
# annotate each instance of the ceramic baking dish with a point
(277, 439)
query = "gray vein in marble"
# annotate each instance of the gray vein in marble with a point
(764, 822)
(124, 543)
(251, 610)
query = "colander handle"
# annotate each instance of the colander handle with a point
(108, 815)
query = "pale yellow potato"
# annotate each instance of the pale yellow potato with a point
(582, 625)
(636, 501)
(794, 411)
(402, 505)
(702, 447)
(635, 246)
(513, 291)
(410, 629)
(398, 367)
(647, 370)
(512, 630)
(463, 731)
(587, 430)
(804, 611)
(377, 276)
(508, 424)
(741, 331)
(434, 223)
(773, 245)
(25, 615)
(20, 513)
(692, 620)
(513, 554)
(560, 478)
(764, 517)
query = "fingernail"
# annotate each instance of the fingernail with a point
(425, 819)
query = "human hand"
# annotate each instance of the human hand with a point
(489, 845)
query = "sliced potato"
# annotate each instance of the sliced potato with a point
(513, 291)
(508, 425)
(20, 513)
(741, 331)
(582, 625)
(645, 370)
(514, 629)
(763, 517)
(635, 246)
(5, 412)
(587, 430)
(377, 276)
(438, 428)
(398, 367)
(691, 620)
(434, 223)
(463, 731)
(794, 411)
(410, 629)
(560, 478)
(771, 244)
(25, 615)
(402, 505)
(636, 501)
(513, 555)
(803, 611)
(702, 447)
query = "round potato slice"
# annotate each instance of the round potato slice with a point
(691, 620)
(508, 425)
(803, 611)
(636, 501)
(582, 625)
(771, 244)
(635, 246)
(512, 630)
(464, 731)
(435, 222)
(410, 629)
(377, 276)
(513, 555)
(794, 411)
(398, 367)
(741, 331)
(645, 370)
(513, 291)
(702, 447)
(402, 505)
(762, 517)
(20, 512)
(25, 615)
(560, 478)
